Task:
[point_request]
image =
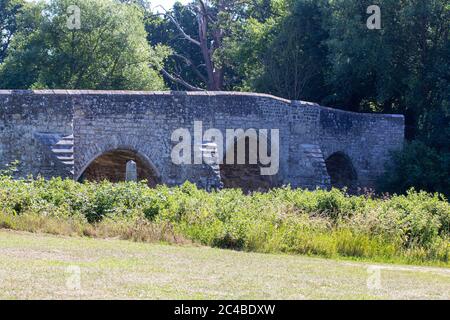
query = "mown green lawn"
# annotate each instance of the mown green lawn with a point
(36, 266)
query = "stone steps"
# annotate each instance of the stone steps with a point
(315, 155)
(61, 147)
(63, 150)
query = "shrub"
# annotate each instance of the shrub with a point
(411, 228)
(419, 166)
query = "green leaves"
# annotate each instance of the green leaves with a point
(328, 223)
(419, 166)
(108, 51)
(9, 11)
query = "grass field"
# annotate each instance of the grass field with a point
(35, 266)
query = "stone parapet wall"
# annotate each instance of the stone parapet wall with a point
(142, 122)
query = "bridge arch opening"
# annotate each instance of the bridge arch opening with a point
(246, 176)
(341, 171)
(111, 166)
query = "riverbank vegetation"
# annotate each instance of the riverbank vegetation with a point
(412, 228)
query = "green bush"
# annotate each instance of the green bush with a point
(413, 228)
(420, 166)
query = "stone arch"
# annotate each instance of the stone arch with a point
(111, 165)
(247, 176)
(341, 171)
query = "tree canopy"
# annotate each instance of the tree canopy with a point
(9, 10)
(109, 50)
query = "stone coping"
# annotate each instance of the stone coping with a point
(296, 103)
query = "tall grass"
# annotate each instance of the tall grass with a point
(412, 228)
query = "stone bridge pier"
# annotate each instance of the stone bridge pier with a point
(92, 135)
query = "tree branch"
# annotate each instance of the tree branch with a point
(178, 26)
(179, 80)
(192, 65)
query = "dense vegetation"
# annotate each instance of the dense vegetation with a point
(414, 228)
(317, 50)
(109, 51)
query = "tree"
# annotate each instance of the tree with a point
(401, 68)
(283, 51)
(184, 68)
(109, 50)
(204, 24)
(9, 10)
(245, 48)
(295, 61)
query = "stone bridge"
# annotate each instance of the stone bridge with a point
(91, 135)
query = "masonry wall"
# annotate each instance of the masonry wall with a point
(28, 122)
(143, 122)
(368, 140)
